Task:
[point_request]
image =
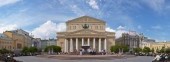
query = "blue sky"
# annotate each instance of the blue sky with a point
(44, 18)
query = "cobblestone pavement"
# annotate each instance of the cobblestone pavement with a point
(38, 59)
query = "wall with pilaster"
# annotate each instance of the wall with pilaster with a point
(111, 42)
(60, 42)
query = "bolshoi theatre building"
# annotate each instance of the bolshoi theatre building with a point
(85, 33)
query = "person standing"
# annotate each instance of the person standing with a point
(162, 58)
(80, 51)
(157, 58)
(166, 58)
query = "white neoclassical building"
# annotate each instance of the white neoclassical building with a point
(85, 32)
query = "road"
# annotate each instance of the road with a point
(38, 59)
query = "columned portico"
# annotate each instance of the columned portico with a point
(65, 45)
(77, 44)
(85, 32)
(88, 42)
(71, 45)
(82, 42)
(105, 45)
(102, 44)
(94, 43)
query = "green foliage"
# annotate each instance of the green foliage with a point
(146, 50)
(4, 51)
(117, 48)
(137, 50)
(33, 49)
(157, 50)
(167, 50)
(25, 50)
(54, 48)
(125, 48)
(162, 50)
(29, 50)
(152, 50)
(114, 48)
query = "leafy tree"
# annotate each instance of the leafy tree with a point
(137, 50)
(46, 49)
(157, 50)
(125, 48)
(162, 50)
(167, 50)
(29, 50)
(4, 51)
(146, 50)
(25, 50)
(116, 48)
(152, 50)
(33, 49)
(54, 48)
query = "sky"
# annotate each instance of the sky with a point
(43, 18)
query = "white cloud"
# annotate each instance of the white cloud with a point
(110, 29)
(77, 10)
(48, 30)
(6, 2)
(7, 27)
(156, 5)
(121, 28)
(156, 27)
(118, 31)
(93, 4)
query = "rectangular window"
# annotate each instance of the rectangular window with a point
(19, 46)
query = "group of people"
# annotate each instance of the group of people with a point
(7, 58)
(91, 52)
(161, 58)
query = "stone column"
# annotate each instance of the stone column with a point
(88, 42)
(82, 42)
(71, 45)
(99, 44)
(76, 43)
(65, 45)
(94, 43)
(105, 44)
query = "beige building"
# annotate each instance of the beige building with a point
(87, 32)
(156, 45)
(6, 42)
(13, 41)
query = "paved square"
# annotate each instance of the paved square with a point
(38, 59)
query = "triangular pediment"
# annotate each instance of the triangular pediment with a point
(84, 31)
(86, 19)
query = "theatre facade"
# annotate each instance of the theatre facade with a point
(85, 33)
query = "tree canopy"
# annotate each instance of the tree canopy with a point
(167, 50)
(3, 51)
(137, 50)
(117, 48)
(29, 50)
(54, 48)
(163, 50)
(146, 50)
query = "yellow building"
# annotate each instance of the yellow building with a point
(156, 45)
(6, 43)
(87, 32)
(12, 41)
